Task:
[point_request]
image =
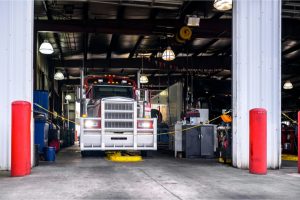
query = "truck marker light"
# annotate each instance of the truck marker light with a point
(90, 124)
(124, 81)
(145, 124)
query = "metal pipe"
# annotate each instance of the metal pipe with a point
(138, 79)
(68, 104)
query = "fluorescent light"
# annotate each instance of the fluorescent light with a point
(288, 85)
(144, 79)
(59, 76)
(46, 48)
(192, 20)
(223, 5)
(168, 54)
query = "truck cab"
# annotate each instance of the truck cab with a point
(112, 117)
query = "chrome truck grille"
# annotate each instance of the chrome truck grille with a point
(118, 115)
(119, 106)
(118, 124)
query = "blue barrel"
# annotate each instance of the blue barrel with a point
(49, 153)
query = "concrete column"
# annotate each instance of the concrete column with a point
(16, 56)
(256, 75)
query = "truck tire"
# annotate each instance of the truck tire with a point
(84, 154)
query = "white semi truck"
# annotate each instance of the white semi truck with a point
(112, 117)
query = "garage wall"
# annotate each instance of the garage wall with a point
(16, 55)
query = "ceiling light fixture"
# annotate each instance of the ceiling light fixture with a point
(288, 85)
(68, 97)
(192, 20)
(46, 48)
(59, 76)
(223, 5)
(143, 78)
(168, 54)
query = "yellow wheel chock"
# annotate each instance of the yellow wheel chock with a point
(118, 157)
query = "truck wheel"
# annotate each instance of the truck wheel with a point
(144, 153)
(84, 154)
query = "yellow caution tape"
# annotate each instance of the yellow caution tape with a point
(55, 114)
(208, 122)
(289, 118)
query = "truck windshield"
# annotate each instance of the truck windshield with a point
(102, 91)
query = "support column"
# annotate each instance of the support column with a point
(256, 75)
(16, 55)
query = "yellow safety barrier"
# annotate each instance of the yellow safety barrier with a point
(55, 114)
(289, 157)
(227, 161)
(118, 157)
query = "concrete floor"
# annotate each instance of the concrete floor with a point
(159, 177)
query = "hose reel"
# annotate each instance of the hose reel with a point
(185, 33)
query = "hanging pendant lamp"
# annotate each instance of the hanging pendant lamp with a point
(288, 85)
(46, 48)
(59, 76)
(143, 78)
(168, 54)
(223, 5)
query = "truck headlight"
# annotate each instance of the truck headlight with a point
(91, 124)
(145, 124)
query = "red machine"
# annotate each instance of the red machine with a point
(288, 139)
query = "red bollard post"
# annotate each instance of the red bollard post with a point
(20, 139)
(298, 142)
(258, 141)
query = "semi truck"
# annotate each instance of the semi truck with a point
(112, 116)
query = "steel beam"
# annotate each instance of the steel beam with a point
(201, 62)
(208, 27)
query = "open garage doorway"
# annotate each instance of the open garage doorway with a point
(122, 41)
(290, 83)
